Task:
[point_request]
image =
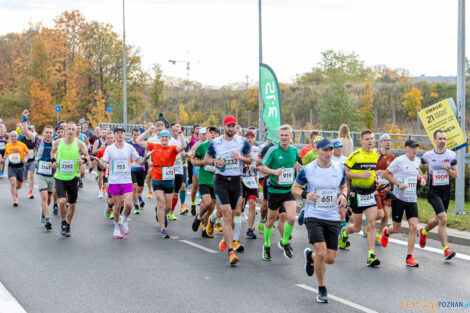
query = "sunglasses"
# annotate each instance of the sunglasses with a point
(338, 146)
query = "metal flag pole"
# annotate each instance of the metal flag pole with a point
(260, 108)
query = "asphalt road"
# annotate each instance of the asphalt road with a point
(93, 272)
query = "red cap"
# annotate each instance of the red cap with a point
(230, 120)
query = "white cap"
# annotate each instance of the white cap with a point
(384, 136)
(203, 130)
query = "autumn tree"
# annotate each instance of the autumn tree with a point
(412, 102)
(366, 108)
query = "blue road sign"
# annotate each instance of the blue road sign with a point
(109, 108)
(57, 108)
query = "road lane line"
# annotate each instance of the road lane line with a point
(8, 304)
(431, 249)
(338, 299)
(198, 246)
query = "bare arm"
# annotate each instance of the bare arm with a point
(183, 143)
(350, 175)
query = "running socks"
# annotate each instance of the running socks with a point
(193, 203)
(267, 236)
(140, 199)
(444, 248)
(174, 202)
(424, 232)
(182, 196)
(237, 228)
(124, 219)
(342, 224)
(288, 229)
(371, 252)
(116, 226)
(214, 217)
(198, 217)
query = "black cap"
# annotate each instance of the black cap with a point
(214, 129)
(411, 143)
(118, 128)
(59, 128)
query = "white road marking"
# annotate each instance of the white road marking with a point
(8, 304)
(338, 299)
(198, 246)
(431, 249)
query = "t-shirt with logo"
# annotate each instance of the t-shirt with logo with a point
(324, 182)
(405, 172)
(44, 159)
(358, 162)
(384, 161)
(278, 157)
(220, 148)
(119, 163)
(206, 172)
(439, 178)
(163, 159)
(15, 153)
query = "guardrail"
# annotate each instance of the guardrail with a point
(301, 137)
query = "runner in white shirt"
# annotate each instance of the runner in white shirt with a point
(404, 174)
(338, 152)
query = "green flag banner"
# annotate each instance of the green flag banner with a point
(271, 94)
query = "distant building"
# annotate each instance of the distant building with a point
(435, 79)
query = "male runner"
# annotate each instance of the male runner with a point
(30, 140)
(153, 137)
(195, 138)
(404, 174)
(97, 145)
(138, 174)
(180, 173)
(279, 163)
(58, 134)
(311, 144)
(83, 138)
(66, 157)
(322, 179)
(109, 211)
(3, 142)
(17, 154)
(227, 153)
(442, 166)
(360, 169)
(312, 154)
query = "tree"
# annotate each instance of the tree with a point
(337, 108)
(366, 109)
(41, 108)
(412, 102)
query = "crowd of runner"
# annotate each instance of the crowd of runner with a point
(227, 170)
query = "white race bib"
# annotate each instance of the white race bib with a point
(327, 199)
(119, 166)
(411, 182)
(209, 168)
(250, 182)
(440, 178)
(287, 177)
(382, 181)
(178, 163)
(168, 173)
(366, 200)
(44, 168)
(31, 154)
(67, 167)
(232, 164)
(2, 145)
(14, 158)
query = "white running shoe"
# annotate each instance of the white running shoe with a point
(100, 194)
(125, 228)
(117, 234)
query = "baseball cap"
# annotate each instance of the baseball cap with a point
(250, 132)
(411, 143)
(59, 128)
(203, 130)
(384, 136)
(165, 133)
(318, 138)
(324, 144)
(230, 119)
(97, 128)
(118, 128)
(214, 129)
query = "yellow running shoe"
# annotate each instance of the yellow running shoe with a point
(219, 227)
(149, 195)
(201, 225)
(210, 229)
(233, 259)
(237, 246)
(183, 209)
(171, 216)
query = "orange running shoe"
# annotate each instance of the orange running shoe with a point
(233, 259)
(449, 254)
(222, 245)
(411, 262)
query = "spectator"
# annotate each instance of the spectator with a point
(164, 120)
(345, 138)
(311, 144)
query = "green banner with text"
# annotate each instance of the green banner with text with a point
(271, 94)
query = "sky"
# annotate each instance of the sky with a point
(220, 37)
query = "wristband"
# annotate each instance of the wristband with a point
(85, 160)
(53, 160)
(304, 194)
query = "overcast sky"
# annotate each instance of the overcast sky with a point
(220, 37)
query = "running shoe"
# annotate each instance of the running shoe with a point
(107, 211)
(165, 233)
(193, 209)
(222, 245)
(117, 233)
(183, 209)
(378, 240)
(288, 252)
(15, 202)
(48, 226)
(100, 194)
(322, 296)
(266, 253)
(80, 183)
(250, 234)
(55, 209)
(149, 195)
(449, 254)
(373, 261)
(142, 203)
(365, 230)
(201, 225)
(30, 194)
(210, 229)
(43, 219)
(422, 238)
(219, 227)
(384, 240)
(343, 242)
(171, 216)
(63, 229)
(125, 228)
(308, 262)
(68, 233)
(300, 220)
(195, 224)
(204, 234)
(411, 262)
(233, 259)
(136, 210)
(111, 214)
(238, 246)
(261, 228)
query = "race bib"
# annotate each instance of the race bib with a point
(67, 167)
(411, 183)
(250, 182)
(209, 168)
(382, 181)
(366, 200)
(232, 164)
(440, 178)
(327, 199)
(119, 166)
(287, 177)
(44, 168)
(31, 154)
(168, 173)
(178, 163)
(14, 158)
(2, 145)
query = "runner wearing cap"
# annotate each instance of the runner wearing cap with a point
(58, 134)
(17, 154)
(339, 158)
(279, 163)
(325, 191)
(442, 167)
(66, 153)
(163, 171)
(97, 146)
(360, 169)
(312, 154)
(138, 174)
(227, 153)
(311, 144)
(382, 186)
